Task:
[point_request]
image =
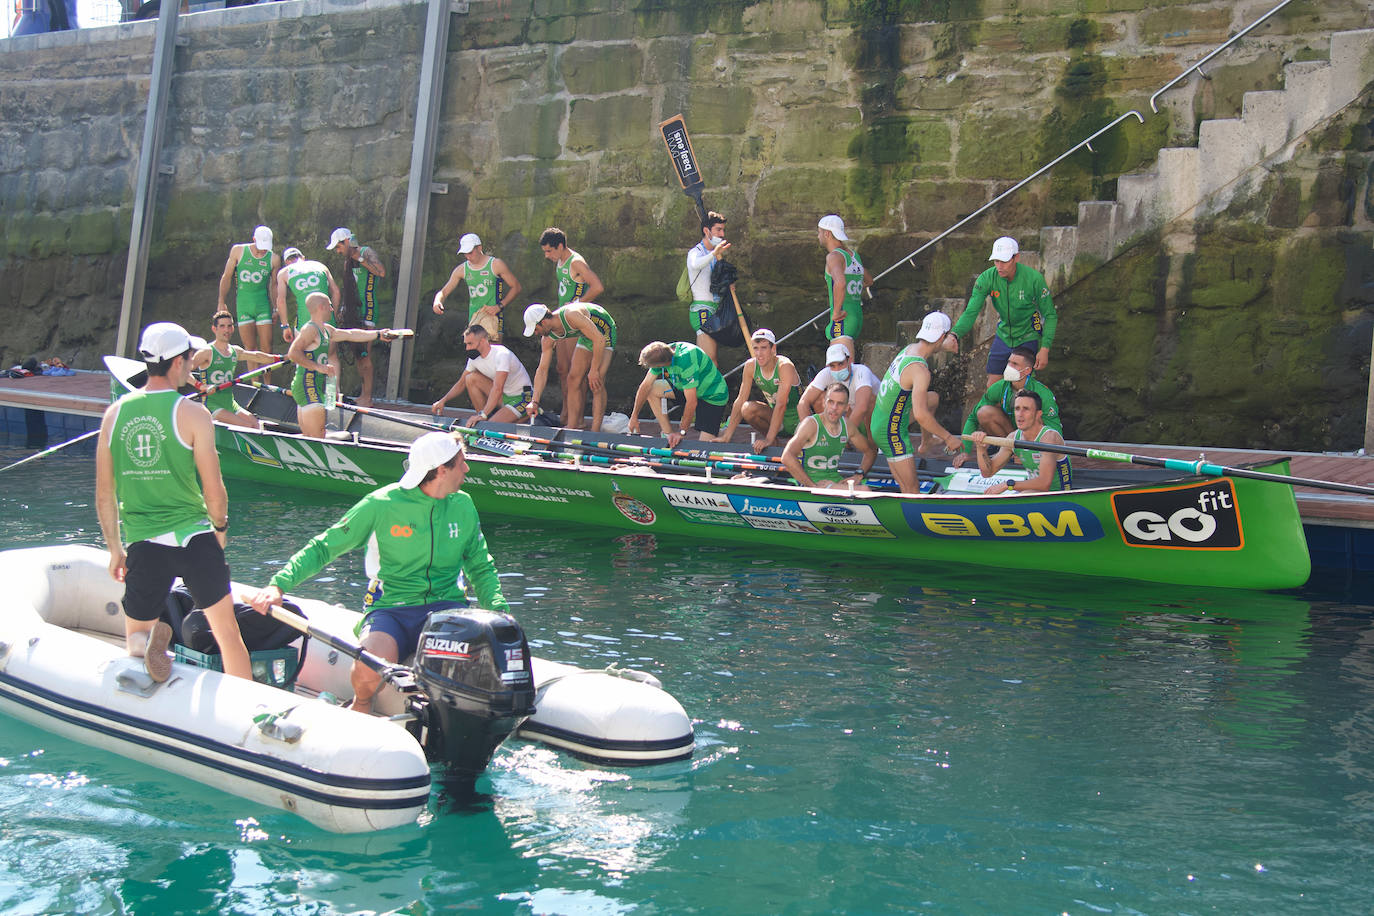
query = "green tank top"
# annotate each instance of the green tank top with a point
(252, 276)
(893, 399)
(822, 459)
(769, 388)
(568, 288)
(1063, 470)
(155, 472)
(853, 283)
(600, 318)
(221, 369)
(482, 286)
(304, 278)
(367, 290)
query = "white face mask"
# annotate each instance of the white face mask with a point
(712, 242)
(1011, 374)
(840, 375)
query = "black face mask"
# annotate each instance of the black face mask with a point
(473, 354)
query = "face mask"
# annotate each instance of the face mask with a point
(1011, 374)
(713, 242)
(473, 354)
(840, 375)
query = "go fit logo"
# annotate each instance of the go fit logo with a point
(1201, 516)
(401, 531)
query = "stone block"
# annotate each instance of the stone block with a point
(601, 69)
(1185, 26)
(998, 144)
(720, 110)
(531, 179)
(560, 30)
(793, 197)
(612, 25)
(532, 129)
(932, 205)
(818, 133)
(614, 122)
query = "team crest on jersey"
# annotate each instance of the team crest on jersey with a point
(143, 438)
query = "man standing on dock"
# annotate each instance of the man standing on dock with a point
(594, 329)
(158, 485)
(845, 281)
(491, 286)
(358, 311)
(905, 394)
(1025, 309)
(251, 269)
(425, 532)
(299, 278)
(576, 283)
(702, 259)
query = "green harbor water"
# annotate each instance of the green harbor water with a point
(871, 739)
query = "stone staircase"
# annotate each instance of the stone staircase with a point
(1231, 157)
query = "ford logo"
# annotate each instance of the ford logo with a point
(836, 511)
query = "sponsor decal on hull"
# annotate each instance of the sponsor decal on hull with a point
(1199, 516)
(1047, 521)
(314, 459)
(769, 514)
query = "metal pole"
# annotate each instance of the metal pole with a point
(145, 193)
(416, 228)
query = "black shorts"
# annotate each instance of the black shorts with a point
(152, 567)
(708, 417)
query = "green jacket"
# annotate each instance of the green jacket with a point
(1025, 309)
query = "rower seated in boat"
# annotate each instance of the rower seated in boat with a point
(1047, 471)
(218, 363)
(812, 456)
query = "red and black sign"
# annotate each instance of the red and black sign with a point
(1199, 516)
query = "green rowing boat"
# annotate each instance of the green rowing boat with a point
(1209, 530)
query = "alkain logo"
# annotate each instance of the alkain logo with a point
(1200, 516)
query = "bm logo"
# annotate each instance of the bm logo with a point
(1200, 516)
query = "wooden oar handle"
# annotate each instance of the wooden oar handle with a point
(1001, 441)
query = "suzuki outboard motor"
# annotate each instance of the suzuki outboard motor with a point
(474, 667)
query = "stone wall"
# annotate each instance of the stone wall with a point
(901, 116)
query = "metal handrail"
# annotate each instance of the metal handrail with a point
(1215, 51)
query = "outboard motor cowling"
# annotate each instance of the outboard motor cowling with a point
(474, 667)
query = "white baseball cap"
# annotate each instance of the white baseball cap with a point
(468, 242)
(835, 225)
(339, 235)
(934, 328)
(837, 353)
(164, 339)
(1004, 249)
(764, 334)
(428, 452)
(533, 315)
(290, 253)
(262, 238)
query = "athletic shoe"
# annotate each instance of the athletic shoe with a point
(155, 658)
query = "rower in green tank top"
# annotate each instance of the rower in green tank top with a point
(366, 268)
(251, 270)
(905, 396)
(845, 280)
(158, 489)
(774, 418)
(1046, 474)
(298, 278)
(595, 332)
(812, 456)
(491, 286)
(218, 363)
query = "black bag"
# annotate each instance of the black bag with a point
(191, 629)
(723, 324)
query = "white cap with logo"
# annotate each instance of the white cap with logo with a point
(533, 315)
(468, 242)
(290, 253)
(763, 334)
(339, 235)
(165, 339)
(837, 353)
(262, 238)
(934, 327)
(428, 452)
(1004, 249)
(834, 225)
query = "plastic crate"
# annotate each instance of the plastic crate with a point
(276, 667)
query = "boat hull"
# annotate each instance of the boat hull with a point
(1226, 532)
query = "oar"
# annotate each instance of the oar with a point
(399, 675)
(1200, 468)
(625, 447)
(418, 424)
(234, 381)
(48, 451)
(86, 435)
